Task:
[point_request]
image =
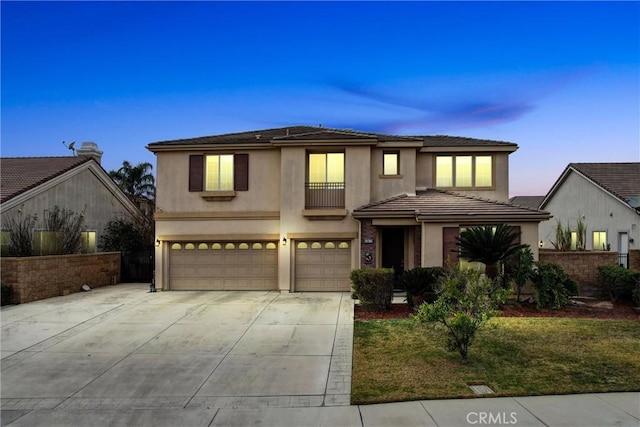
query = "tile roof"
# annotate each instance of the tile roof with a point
(620, 179)
(19, 174)
(447, 206)
(302, 133)
(527, 201)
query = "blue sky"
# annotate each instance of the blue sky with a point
(561, 79)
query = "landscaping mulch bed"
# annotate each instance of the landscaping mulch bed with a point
(621, 311)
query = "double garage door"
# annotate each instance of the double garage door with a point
(320, 265)
(223, 266)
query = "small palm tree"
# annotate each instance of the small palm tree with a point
(489, 244)
(135, 181)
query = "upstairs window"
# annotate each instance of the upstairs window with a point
(390, 163)
(326, 167)
(325, 186)
(464, 171)
(219, 172)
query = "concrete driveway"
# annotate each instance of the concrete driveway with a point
(122, 348)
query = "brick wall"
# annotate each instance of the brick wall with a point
(582, 267)
(634, 259)
(368, 250)
(36, 278)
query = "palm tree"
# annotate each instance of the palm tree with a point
(135, 181)
(489, 244)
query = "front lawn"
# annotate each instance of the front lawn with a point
(396, 360)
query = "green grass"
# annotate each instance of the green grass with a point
(396, 360)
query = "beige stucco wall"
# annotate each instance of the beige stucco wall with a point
(81, 192)
(172, 185)
(385, 187)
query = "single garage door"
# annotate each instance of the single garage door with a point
(323, 265)
(223, 266)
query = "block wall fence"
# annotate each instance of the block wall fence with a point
(582, 266)
(40, 277)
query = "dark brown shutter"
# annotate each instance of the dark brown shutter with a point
(241, 172)
(449, 247)
(196, 172)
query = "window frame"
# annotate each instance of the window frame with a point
(207, 171)
(326, 166)
(198, 175)
(397, 163)
(453, 177)
(604, 244)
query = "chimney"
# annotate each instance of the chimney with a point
(90, 149)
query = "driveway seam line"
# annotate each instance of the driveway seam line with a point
(231, 349)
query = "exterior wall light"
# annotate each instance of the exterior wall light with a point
(284, 241)
(157, 243)
(541, 244)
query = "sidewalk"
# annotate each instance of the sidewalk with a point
(586, 410)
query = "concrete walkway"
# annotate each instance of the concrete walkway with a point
(122, 356)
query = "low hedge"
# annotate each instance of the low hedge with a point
(373, 287)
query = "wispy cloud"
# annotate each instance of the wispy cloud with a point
(451, 104)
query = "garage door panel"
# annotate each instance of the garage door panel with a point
(324, 267)
(223, 266)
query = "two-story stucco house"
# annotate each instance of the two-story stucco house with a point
(297, 208)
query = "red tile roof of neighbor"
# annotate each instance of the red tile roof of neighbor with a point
(445, 206)
(302, 133)
(19, 174)
(620, 179)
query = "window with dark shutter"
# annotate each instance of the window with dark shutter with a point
(196, 172)
(241, 172)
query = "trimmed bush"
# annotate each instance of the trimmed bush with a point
(619, 281)
(553, 286)
(419, 284)
(373, 287)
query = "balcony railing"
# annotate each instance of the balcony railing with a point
(324, 195)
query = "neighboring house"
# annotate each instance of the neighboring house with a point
(31, 185)
(605, 197)
(297, 208)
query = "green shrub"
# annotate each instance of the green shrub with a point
(467, 300)
(635, 293)
(419, 284)
(619, 281)
(6, 293)
(373, 287)
(552, 285)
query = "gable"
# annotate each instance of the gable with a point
(20, 174)
(610, 182)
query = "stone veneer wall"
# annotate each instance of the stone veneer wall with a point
(367, 233)
(582, 266)
(40, 277)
